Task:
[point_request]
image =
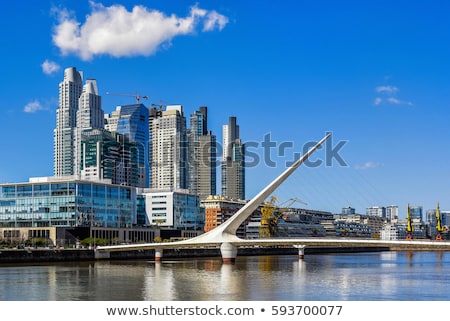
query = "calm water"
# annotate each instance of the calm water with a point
(395, 276)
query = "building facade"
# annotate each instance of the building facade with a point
(169, 168)
(416, 213)
(132, 121)
(233, 162)
(90, 116)
(40, 206)
(64, 134)
(392, 213)
(218, 209)
(176, 209)
(378, 211)
(109, 156)
(201, 155)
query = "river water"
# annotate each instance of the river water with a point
(393, 276)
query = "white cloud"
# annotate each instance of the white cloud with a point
(378, 101)
(214, 19)
(368, 165)
(396, 101)
(118, 32)
(33, 107)
(386, 89)
(388, 95)
(50, 67)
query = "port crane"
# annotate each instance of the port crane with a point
(439, 227)
(271, 213)
(409, 227)
(136, 96)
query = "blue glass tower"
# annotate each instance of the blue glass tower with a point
(132, 121)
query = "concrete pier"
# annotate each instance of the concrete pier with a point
(229, 252)
(158, 255)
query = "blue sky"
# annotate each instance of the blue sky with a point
(375, 73)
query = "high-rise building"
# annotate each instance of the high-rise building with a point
(168, 152)
(233, 162)
(201, 155)
(132, 121)
(90, 116)
(64, 142)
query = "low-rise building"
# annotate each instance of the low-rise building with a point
(66, 209)
(177, 209)
(218, 209)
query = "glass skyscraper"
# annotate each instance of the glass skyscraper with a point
(202, 155)
(132, 121)
(233, 163)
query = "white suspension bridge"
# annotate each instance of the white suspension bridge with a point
(224, 236)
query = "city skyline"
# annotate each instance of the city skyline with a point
(374, 73)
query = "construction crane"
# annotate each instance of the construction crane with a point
(271, 213)
(136, 96)
(267, 212)
(409, 227)
(439, 227)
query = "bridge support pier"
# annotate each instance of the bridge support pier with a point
(229, 252)
(102, 255)
(158, 255)
(301, 251)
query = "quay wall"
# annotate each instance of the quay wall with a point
(74, 255)
(44, 255)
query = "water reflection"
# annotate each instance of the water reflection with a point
(369, 276)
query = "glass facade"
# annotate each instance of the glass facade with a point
(133, 123)
(67, 203)
(187, 212)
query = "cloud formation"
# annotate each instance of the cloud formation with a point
(33, 107)
(368, 165)
(388, 96)
(50, 67)
(386, 89)
(117, 32)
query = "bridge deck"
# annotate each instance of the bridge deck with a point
(309, 242)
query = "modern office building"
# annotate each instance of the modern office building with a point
(416, 213)
(348, 210)
(65, 209)
(378, 211)
(64, 135)
(90, 116)
(233, 162)
(168, 153)
(109, 156)
(132, 121)
(177, 209)
(201, 155)
(392, 213)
